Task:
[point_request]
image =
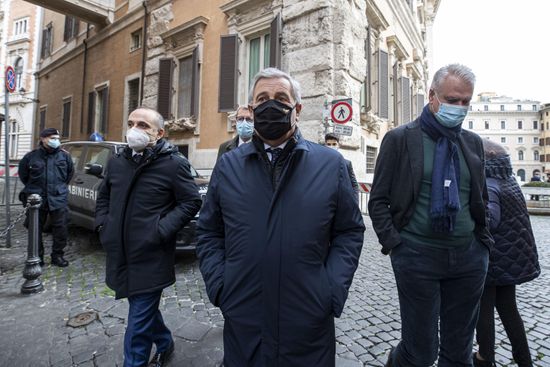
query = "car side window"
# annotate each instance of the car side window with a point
(98, 155)
(76, 154)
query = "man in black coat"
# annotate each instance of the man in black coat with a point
(147, 196)
(427, 206)
(46, 171)
(333, 141)
(245, 128)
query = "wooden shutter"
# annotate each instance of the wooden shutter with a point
(406, 99)
(368, 78)
(66, 119)
(383, 80)
(164, 103)
(195, 84)
(91, 111)
(419, 103)
(42, 120)
(104, 122)
(395, 91)
(227, 95)
(275, 42)
(44, 42)
(68, 28)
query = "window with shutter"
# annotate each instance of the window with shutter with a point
(419, 103)
(91, 111)
(42, 125)
(185, 86)
(133, 95)
(396, 118)
(103, 110)
(371, 158)
(406, 99)
(164, 102)
(227, 94)
(47, 34)
(383, 80)
(195, 84)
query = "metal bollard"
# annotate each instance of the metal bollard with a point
(33, 270)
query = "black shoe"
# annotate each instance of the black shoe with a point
(59, 261)
(160, 359)
(389, 361)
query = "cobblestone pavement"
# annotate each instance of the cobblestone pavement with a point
(34, 330)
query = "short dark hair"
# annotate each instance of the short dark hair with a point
(332, 136)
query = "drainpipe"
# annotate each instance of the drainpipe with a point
(144, 51)
(85, 62)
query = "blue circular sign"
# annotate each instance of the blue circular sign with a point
(10, 79)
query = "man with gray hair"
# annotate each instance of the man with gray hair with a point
(279, 237)
(146, 197)
(427, 206)
(245, 128)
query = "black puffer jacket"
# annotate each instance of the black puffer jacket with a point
(46, 172)
(514, 258)
(141, 207)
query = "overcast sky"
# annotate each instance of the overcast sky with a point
(505, 42)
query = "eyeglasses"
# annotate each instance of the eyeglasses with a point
(242, 119)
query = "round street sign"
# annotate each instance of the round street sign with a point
(10, 79)
(341, 112)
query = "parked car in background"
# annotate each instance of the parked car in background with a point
(90, 164)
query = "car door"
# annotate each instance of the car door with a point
(95, 154)
(77, 152)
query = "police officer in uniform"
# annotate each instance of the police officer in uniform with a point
(46, 171)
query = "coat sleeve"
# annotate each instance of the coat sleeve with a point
(211, 240)
(23, 169)
(70, 168)
(352, 177)
(188, 201)
(102, 202)
(380, 195)
(346, 242)
(493, 205)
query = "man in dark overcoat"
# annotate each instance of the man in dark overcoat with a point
(279, 237)
(244, 127)
(147, 196)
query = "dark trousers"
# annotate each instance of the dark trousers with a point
(504, 299)
(145, 327)
(438, 284)
(58, 226)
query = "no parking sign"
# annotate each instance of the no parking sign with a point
(10, 79)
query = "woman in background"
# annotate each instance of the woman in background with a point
(513, 260)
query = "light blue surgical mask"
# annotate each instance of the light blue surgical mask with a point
(54, 143)
(245, 128)
(450, 115)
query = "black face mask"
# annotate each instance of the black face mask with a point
(272, 119)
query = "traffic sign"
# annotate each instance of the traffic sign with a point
(10, 79)
(341, 112)
(343, 130)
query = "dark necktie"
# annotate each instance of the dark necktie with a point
(275, 153)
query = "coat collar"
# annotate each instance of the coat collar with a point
(252, 147)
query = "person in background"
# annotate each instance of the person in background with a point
(46, 171)
(333, 141)
(512, 261)
(245, 129)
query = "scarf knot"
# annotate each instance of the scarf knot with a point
(445, 200)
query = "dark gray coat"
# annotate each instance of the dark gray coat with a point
(398, 177)
(141, 207)
(278, 249)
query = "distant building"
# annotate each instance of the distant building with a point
(194, 60)
(20, 35)
(545, 137)
(513, 123)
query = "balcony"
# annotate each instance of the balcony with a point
(98, 12)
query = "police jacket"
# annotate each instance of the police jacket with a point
(47, 172)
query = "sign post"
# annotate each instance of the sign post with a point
(10, 88)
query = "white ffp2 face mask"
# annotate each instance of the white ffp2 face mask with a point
(137, 139)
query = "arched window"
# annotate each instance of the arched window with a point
(536, 155)
(521, 174)
(520, 155)
(19, 65)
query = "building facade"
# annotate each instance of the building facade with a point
(194, 61)
(515, 124)
(544, 139)
(20, 40)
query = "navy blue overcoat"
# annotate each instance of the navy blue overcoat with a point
(279, 258)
